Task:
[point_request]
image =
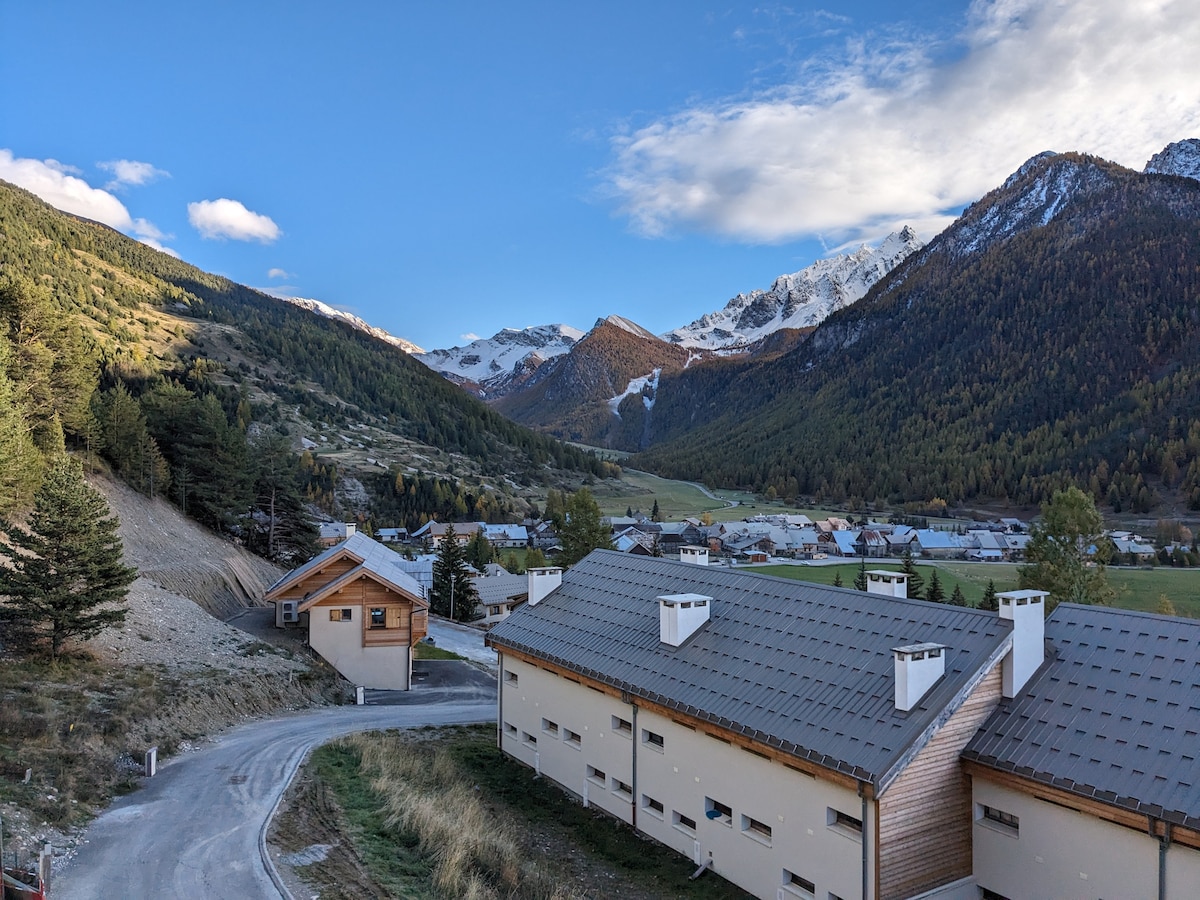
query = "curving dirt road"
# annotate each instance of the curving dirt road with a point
(197, 829)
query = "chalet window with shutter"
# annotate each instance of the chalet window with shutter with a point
(341, 615)
(378, 617)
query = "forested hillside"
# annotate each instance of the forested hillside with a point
(197, 388)
(569, 395)
(1050, 336)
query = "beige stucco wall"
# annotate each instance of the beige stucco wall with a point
(340, 644)
(690, 767)
(1070, 855)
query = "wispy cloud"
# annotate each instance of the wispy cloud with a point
(468, 337)
(278, 273)
(61, 187)
(129, 172)
(216, 219)
(908, 130)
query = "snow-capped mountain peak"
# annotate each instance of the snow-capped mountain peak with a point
(1179, 158)
(329, 312)
(506, 353)
(800, 300)
(628, 325)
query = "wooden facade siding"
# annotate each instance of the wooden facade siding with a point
(925, 815)
(1136, 821)
(314, 581)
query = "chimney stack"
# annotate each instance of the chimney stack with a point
(697, 556)
(918, 668)
(887, 583)
(542, 581)
(1027, 612)
(680, 616)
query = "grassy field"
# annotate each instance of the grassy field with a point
(1138, 589)
(442, 813)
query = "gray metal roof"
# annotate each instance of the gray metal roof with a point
(804, 668)
(1114, 716)
(370, 554)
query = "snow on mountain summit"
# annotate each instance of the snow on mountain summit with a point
(1179, 158)
(483, 360)
(329, 312)
(800, 300)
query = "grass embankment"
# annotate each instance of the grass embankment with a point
(442, 813)
(1138, 589)
(81, 727)
(424, 650)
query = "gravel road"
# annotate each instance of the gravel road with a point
(198, 828)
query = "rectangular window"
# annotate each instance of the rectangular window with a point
(622, 726)
(597, 776)
(652, 739)
(843, 822)
(1006, 821)
(683, 823)
(529, 739)
(760, 831)
(572, 738)
(797, 885)
(652, 806)
(510, 678)
(510, 730)
(341, 615)
(378, 617)
(551, 728)
(718, 811)
(621, 789)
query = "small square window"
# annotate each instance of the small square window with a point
(529, 739)
(652, 739)
(683, 823)
(797, 885)
(621, 789)
(843, 822)
(717, 811)
(753, 828)
(998, 817)
(597, 775)
(551, 728)
(652, 806)
(341, 615)
(622, 726)
(510, 677)
(510, 730)
(378, 617)
(572, 738)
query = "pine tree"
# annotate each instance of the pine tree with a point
(583, 530)
(65, 577)
(990, 601)
(957, 598)
(479, 550)
(534, 558)
(655, 516)
(916, 584)
(860, 580)
(935, 593)
(837, 579)
(453, 594)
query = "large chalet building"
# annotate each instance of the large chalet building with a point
(817, 742)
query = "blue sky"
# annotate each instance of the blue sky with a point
(446, 170)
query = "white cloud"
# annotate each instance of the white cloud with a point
(468, 337)
(278, 273)
(60, 186)
(130, 172)
(230, 219)
(909, 131)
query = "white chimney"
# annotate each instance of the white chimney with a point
(697, 556)
(1027, 612)
(680, 616)
(887, 583)
(918, 668)
(542, 581)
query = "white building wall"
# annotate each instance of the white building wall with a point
(340, 644)
(682, 775)
(1057, 852)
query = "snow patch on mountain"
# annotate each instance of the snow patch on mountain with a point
(626, 325)
(800, 300)
(503, 353)
(1180, 158)
(329, 312)
(638, 386)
